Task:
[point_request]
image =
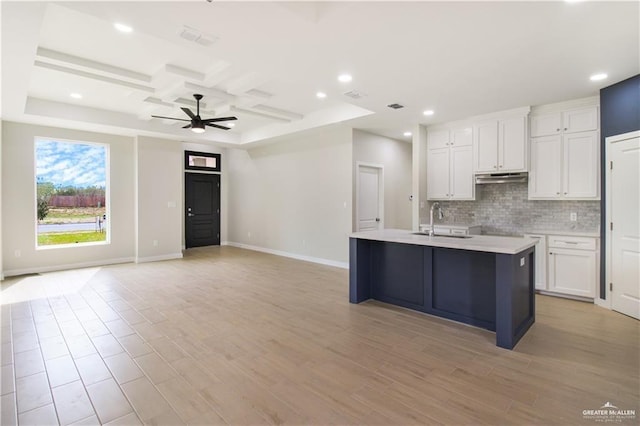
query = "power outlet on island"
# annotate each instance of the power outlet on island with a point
(573, 216)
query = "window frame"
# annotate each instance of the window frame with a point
(107, 192)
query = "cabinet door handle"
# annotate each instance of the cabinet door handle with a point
(500, 167)
(565, 193)
(565, 129)
(557, 193)
(550, 253)
(557, 130)
(495, 167)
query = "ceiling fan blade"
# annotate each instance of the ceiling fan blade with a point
(188, 112)
(169, 118)
(188, 126)
(215, 125)
(215, 120)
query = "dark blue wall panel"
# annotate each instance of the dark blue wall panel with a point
(619, 113)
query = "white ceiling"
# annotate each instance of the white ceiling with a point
(268, 59)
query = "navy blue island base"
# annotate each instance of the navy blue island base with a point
(491, 290)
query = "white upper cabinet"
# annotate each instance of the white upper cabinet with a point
(546, 124)
(569, 121)
(582, 161)
(461, 181)
(580, 120)
(450, 164)
(438, 174)
(512, 145)
(486, 147)
(462, 137)
(501, 145)
(565, 155)
(438, 139)
(545, 176)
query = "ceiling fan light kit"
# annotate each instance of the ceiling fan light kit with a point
(197, 124)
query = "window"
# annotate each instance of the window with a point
(72, 194)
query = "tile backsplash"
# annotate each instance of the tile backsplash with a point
(504, 209)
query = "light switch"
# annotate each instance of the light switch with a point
(171, 204)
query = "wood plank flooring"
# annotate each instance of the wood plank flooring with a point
(230, 336)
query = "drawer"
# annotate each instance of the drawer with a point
(578, 243)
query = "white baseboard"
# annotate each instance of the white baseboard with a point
(103, 262)
(603, 303)
(321, 261)
(169, 256)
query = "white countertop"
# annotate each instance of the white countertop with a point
(486, 243)
(595, 234)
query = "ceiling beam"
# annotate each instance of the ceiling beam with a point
(94, 65)
(94, 76)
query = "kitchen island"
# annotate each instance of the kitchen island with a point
(479, 280)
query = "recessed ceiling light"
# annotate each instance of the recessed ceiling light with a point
(345, 78)
(122, 27)
(407, 133)
(428, 112)
(598, 77)
(76, 95)
(321, 95)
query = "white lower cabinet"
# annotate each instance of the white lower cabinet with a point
(573, 265)
(567, 264)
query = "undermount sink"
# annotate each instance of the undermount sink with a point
(446, 236)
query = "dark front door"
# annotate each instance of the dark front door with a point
(202, 209)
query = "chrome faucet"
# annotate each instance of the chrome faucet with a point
(440, 216)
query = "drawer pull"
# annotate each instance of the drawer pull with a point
(569, 242)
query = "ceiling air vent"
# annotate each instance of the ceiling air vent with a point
(197, 36)
(354, 94)
(395, 106)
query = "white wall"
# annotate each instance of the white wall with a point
(159, 199)
(1, 261)
(294, 196)
(395, 156)
(19, 211)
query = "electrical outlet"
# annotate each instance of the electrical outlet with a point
(155, 243)
(573, 216)
(422, 204)
(249, 234)
(17, 253)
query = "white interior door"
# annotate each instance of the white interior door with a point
(623, 196)
(369, 198)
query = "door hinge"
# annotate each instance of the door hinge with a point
(610, 165)
(610, 286)
(611, 226)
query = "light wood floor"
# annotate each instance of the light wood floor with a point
(229, 336)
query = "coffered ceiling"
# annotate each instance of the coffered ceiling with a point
(264, 62)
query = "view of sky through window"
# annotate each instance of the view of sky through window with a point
(70, 164)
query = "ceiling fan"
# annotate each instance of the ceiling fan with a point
(196, 123)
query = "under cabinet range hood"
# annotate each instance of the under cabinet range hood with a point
(502, 178)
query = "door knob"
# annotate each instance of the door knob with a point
(377, 219)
